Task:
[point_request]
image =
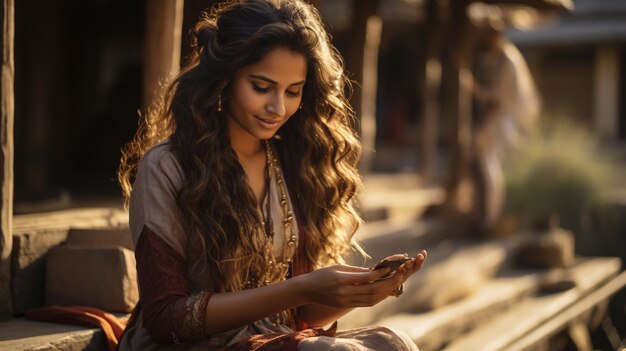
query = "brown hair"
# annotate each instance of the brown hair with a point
(318, 147)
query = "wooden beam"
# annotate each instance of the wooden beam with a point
(6, 157)
(162, 44)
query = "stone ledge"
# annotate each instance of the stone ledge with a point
(66, 219)
(21, 334)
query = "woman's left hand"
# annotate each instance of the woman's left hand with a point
(406, 270)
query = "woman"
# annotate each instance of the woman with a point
(236, 234)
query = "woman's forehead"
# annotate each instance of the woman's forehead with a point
(281, 66)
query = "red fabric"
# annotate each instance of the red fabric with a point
(117, 324)
(111, 326)
(163, 287)
(280, 342)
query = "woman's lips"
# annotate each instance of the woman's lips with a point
(268, 123)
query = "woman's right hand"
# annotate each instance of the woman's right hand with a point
(347, 286)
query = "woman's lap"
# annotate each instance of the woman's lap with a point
(360, 339)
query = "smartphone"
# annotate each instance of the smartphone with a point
(392, 263)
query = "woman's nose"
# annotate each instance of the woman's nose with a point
(277, 106)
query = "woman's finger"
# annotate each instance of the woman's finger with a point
(412, 266)
(384, 287)
(419, 261)
(349, 268)
(362, 296)
(395, 257)
(379, 287)
(366, 277)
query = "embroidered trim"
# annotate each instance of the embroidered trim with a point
(192, 327)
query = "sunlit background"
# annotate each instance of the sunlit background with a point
(467, 147)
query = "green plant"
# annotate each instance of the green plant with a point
(559, 170)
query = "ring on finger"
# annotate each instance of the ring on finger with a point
(398, 290)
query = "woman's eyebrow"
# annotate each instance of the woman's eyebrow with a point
(264, 78)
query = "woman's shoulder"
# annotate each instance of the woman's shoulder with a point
(162, 152)
(161, 161)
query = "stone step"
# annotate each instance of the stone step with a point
(21, 334)
(500, 332)
(503, 309)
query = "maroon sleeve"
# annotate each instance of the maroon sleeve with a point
(171, 313)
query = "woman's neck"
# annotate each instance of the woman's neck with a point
(247, 149)
(244, 144)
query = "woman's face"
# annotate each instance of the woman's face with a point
(265, 95)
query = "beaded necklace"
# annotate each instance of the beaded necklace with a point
(274, 270)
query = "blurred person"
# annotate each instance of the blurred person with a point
(507, 107)
(240, 233)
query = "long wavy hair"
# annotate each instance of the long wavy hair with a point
(318, 148)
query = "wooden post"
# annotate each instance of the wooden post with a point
(430, 86)
(368, 95)
(459, 107)
(606, 92)
(162, 51)
(6, 158)
(191, 14)
(362, 11)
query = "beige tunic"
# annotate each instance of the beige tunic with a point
(153, 204)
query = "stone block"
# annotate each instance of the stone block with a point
(35, 234)
(554, 248)
(101, 277)
(120, 236)
(28, 267)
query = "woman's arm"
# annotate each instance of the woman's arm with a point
(316, 315)
(230, 310)
(226, 311)
(337, 289)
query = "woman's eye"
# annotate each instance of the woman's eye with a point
(293, 93)
(259, 88)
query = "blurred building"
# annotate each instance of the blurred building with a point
(78, 74)
(81, 71)
(579, 64)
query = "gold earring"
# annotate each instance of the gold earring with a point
(219, 103)
(300, 107)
